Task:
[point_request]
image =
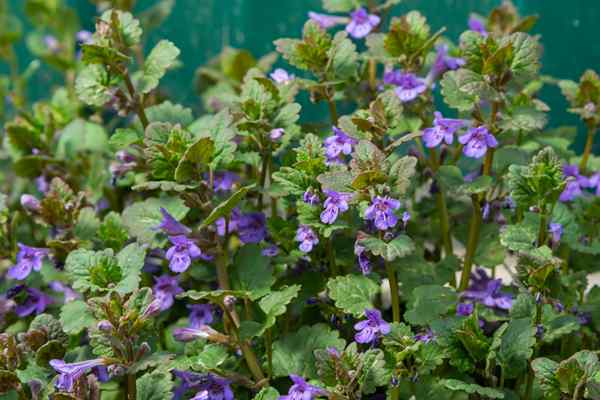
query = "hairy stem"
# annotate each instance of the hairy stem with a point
(542, 228)
(531, 373)
(472, 241)
(333, 269)
(332, 111)
(372, 75)
(131, 387)
(136, 98)
(393, 279)
(591, 133)
(223, 279)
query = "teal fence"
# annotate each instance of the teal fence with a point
(200, 28)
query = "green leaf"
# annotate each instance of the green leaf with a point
(400, 246)
(92, 86)
(198, 153)
(429, 302)
(449, 177)
(129, 27)
(575, 368)
(339, 6)
(75, 316)
(252, 272)
(471, 388)
(225, 208)
(267, 393)
(102, 271)
(103, 55)
(50, 350)
(545, 373)
(211, 357)
(339, 181)
(79, 136)
(462, 89)
(168, 112)
(294, 352)
(407, 36)
(161, 58)
(131, 260)
(141, 217)
(352, 293)
(516, 346)
(154, 386)
(525, 62)
(343, 56)
(540, 183)
(124, 137)
(275, 303)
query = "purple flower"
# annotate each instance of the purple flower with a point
(477, 25)
(166, 288)
(371, 329)
(408, 85)
(443, 62)
(52, 44)
(30, 203)
(362, 23)
(270, 251)
(593, 182)
(281, 76)
(84, 37)
(405, 218)
(69, 293)
(486, 291)
(381, 211)
(302, 390)
(425, 337)
(224, 181)
(190, 334)
(307, 238)
(28, 258)
(338, 144)
(363, 258)
(311, 198)
(182, 253)
(276, 134)
(556, 230)
(171, 226)
(464, 309)
(200, 314)
(476, 141)
(571, 192)
(251, 227)
(233, 222)
(35, 301)
(215, 388)
(335, 204)
(69, 373)
(443, 130)
(326, 21)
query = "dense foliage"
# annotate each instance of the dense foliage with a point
(148, 252)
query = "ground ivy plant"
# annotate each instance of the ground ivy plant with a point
(425, 237)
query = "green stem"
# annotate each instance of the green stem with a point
(332, 111)
(531, 373)
(588, 146)
(136, 99)
(131, 387)
(393, 279)
(223, 279)
(474, 229)
(333, 269)
(542, 228)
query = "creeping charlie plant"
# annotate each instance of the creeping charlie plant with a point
(433, 240)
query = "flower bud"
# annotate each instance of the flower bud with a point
(105, 326)
(30, 203)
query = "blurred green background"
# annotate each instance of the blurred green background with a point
(200, 28)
